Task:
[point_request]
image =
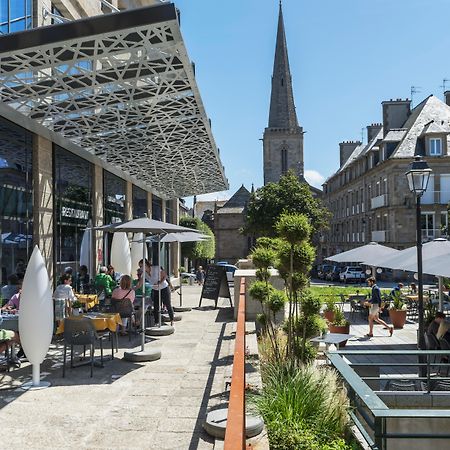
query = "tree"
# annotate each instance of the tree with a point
(202, 249)
(289, 195)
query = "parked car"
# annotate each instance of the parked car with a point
(230, 268)
(333, 274)
(350, 273)
(323, 269)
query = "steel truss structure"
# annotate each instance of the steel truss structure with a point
(120, 86)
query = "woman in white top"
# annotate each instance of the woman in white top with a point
(159, 283)
(64, 297)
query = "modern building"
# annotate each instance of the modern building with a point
(369, 195)
(101, 120)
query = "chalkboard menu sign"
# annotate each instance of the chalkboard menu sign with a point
(215, 285)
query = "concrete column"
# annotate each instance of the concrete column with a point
(43, 215)
(128, 200)
(149, 205)
(163, 210)
(98, 218)
(175, 250)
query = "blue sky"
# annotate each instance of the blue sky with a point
(346, 57)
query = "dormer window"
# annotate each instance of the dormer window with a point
(435, 146)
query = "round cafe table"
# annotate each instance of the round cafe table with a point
(101, 321)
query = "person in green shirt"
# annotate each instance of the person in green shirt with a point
(103, 281)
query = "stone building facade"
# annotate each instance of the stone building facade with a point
(369, 195)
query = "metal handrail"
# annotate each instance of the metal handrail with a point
(369, 408)
(235, 431)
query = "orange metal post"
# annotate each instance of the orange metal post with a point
(235, 432)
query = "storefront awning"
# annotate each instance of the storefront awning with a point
(119, 86)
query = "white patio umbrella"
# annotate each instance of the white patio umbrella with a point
(120, 253)
(183, 237)
(146, 226)
(85, 249)
(36, 316)
(367, 254)
(136, 250)
(435, 261)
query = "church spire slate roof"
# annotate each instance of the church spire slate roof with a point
(282, 108)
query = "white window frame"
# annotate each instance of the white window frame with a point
(433, 147)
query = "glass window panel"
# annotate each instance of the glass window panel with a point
(73, 194)
(18, 25)
(17, 9)
(139, 202)
(4, 10)
(16, 227)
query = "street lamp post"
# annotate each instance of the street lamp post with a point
(418, 176)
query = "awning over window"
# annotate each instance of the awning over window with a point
(121, 87)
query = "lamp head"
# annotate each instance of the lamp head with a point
(418, 176)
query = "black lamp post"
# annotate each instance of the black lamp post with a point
(418, 176)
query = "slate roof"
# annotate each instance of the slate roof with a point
(237, 203)
(430, 109)
(395, 135)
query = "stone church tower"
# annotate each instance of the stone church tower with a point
(283, 138)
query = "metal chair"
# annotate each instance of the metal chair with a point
(80, 332)
(125, 308)
(356, 306)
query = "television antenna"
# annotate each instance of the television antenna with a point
(444, 84)
(414, 90)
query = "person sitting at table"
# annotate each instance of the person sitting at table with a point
(113, 274)
(436, 322)
(11, 288)
(413, 288)
(374, 308)
(8, 338)
(14, 301)
(64, 290)
(104, 282)
(82, 280)
(124, 292)
(398, 289)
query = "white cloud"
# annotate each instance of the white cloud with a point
(315, 178)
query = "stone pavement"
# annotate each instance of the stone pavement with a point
(155, 405)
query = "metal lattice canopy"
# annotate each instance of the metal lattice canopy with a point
(121, 87)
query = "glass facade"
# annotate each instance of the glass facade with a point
(15, 15)
(139, 202)
(16, 205)
(156, 208)
(73, 183)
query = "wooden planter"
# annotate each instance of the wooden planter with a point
(328, 315)
(398, 317)
(341, 330)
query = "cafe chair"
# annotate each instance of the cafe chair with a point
(125, 308)
(81, 331)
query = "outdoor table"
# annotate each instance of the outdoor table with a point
(332, 338)
(102, 321)
(88, 300)
(10, 322)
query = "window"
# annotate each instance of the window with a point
(284, 160)
(427, 225)
(15, 15)
(139, 202)
(435, 146)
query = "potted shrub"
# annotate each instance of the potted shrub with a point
(329, 311)
(397, 311)
(339, 325)
(77, 308)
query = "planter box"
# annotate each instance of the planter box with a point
(339, 330)
(398, 317)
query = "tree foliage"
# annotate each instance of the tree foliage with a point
(201, 249)
(289, 195)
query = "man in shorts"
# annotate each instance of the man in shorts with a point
(374, 308)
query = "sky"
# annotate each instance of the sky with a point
(346, 57)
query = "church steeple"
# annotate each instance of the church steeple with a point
(282, 108)
(283, 137)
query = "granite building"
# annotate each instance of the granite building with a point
(369, 195)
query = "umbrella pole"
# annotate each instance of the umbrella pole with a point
(181, 277)
(143, 295)
(441, 293)
(159, 276)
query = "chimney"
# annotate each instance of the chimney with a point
(372, 130)
(447, 97)
(395, 114)
(346, 149)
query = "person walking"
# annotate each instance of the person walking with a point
(374, 308)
